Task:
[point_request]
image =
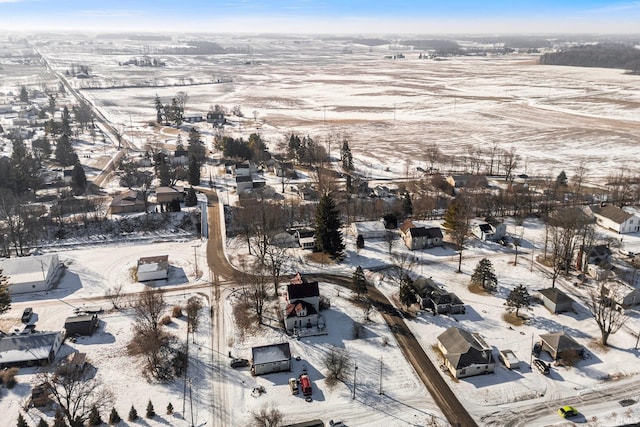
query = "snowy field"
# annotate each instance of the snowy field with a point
(554, 117)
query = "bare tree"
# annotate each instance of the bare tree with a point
(255, 291)
(401, 265)
(517, 241)
(510, 161)
(193, 309)
(76, 391)
(115, 295)
(432, 155)
(268, 417)
(149, 309)
(338, 363)
(605, 310)
(276, 260)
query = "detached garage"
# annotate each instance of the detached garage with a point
(81, 325)
(267, 359)
(30, 274)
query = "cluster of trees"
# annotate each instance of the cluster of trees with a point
(253, 149)
(305, 150)
(173, 112)
(144, 62)
(602, 55)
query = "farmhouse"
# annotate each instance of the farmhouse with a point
(465, 354)
(368, 229)
(153, 268)
(490, 229)
(29, 349)
(556, 301)
(616, 219)
(300, 305)
(562, 348)
(438, 300)
(128, 201)
(415, 237)
(84, 324)
(29, 274)
(271, 358)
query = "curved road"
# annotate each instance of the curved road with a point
(444, 397)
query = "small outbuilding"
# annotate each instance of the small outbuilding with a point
(368, 229)
(153, 268)
(562, 348)
(85, 324)
(556, 301)
(271, 358)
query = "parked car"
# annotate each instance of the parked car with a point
(293, 385)
(239, 363)
(26, 314)
(567, 411)
(542, 366)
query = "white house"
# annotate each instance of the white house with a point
(368, 229)
(466, 354)
(490, 229)
(623, 294)
(419, 237)
(616, 219)
(29, 348)
(300, 305)
(153, 268)
(30, 274)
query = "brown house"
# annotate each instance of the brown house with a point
(128, 201)
(169, 194)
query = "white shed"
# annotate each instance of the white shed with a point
(153, 268)
(270, 358)
(30, 274)
(368, 229)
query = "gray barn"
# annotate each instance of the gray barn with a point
(556, 301)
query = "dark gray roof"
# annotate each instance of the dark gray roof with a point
(555, 295)
(485, 228)
(560, 341)
(472, 357)
(456, 340)
(26, 347)
(303, 290)
(431, 232)
(81, 318)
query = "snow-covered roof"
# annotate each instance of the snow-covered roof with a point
(27, 347)
(28, 269)
(271, 353)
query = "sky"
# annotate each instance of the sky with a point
(325, 16)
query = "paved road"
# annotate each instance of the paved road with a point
(444, 397)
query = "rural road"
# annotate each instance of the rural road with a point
(444, 397)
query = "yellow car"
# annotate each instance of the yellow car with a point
(567, 412)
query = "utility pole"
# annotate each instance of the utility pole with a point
(380, 390)
(195, 259)
(355, 371)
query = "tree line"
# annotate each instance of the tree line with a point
(605, 55)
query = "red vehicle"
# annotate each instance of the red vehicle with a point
(305, 385)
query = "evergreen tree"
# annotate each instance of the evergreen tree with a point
(79, 179)
(407, 291)
(150, 411)
(52, 103)
(485, 276)
(169, 409)
(159, 109)
(65, 154)
(58, 419)
(191, 199)
(456, 221)
(24, 95)
(327, 232)
(133, 414)
(94, 417)
(164, 172)
(41, 148)
(197, 156)
(347, 157)
(42, 423)
(65, 126)
(21, 421)
(114, 417)
(561, 179)
(26, 171)
(360, 241)
(518, 297)
(359, 282)
(407, 206)
(177, 111)
(5, 299)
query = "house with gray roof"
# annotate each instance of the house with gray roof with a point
(466, 354)
(616, 219)
(420, 237)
